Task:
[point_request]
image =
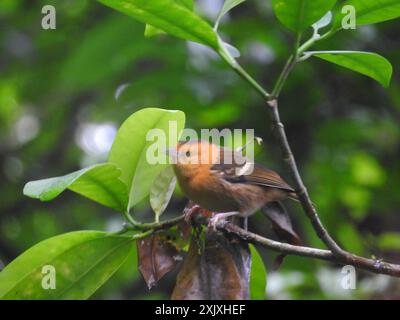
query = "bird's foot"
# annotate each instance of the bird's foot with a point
(191, 212)
(213, 222)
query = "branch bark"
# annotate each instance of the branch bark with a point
(301, 190)
(376, 266)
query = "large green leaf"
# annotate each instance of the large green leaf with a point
(189, 4)
(258, 276)
(370, 64)
(297, 15)
(130, 147)
(369, 11)
(169, 16)
(161, 190)
(82, 261)
(99, 183)
(152, 31)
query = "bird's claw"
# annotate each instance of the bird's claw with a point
(190, 212)
(213, 222)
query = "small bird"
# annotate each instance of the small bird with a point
(223, 181)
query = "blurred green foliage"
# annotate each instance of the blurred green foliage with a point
(64, 92)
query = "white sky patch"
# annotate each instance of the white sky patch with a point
(96, 139)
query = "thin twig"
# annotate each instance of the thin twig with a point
(283, 77)
(155, 225)
(224, 54)
(301, 190)
(376, 266)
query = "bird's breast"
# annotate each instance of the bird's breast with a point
(209, 192)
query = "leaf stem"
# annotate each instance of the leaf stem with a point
(135, 236)
(142, 235)
(225, 55)
(294, 59)
(154, 225)
(129, 218)
(290, 63)
(314, 39)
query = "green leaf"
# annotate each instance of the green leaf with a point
(99, 183)
(151, 31)
(161, 190)
(228, 6)
(370, 64)
(258, 276)
(83, 261)
(169, 16)
(130, 147)
(369, 11)
(297, 15)
(188, 4)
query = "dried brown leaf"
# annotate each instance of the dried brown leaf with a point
(156, 257)
(221, 272)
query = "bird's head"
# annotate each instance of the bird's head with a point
(192, 156)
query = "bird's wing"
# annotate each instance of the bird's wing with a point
(235, 172)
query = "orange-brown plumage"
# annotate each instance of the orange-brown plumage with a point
(221, 180)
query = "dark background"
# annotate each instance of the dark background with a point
(64, 92)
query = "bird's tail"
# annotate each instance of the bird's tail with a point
(281, 222)
(282, 226)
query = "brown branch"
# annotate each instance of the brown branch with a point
(301, 190)
(376, 266)
(339, 255)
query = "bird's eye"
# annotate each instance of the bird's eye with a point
(187, 153)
